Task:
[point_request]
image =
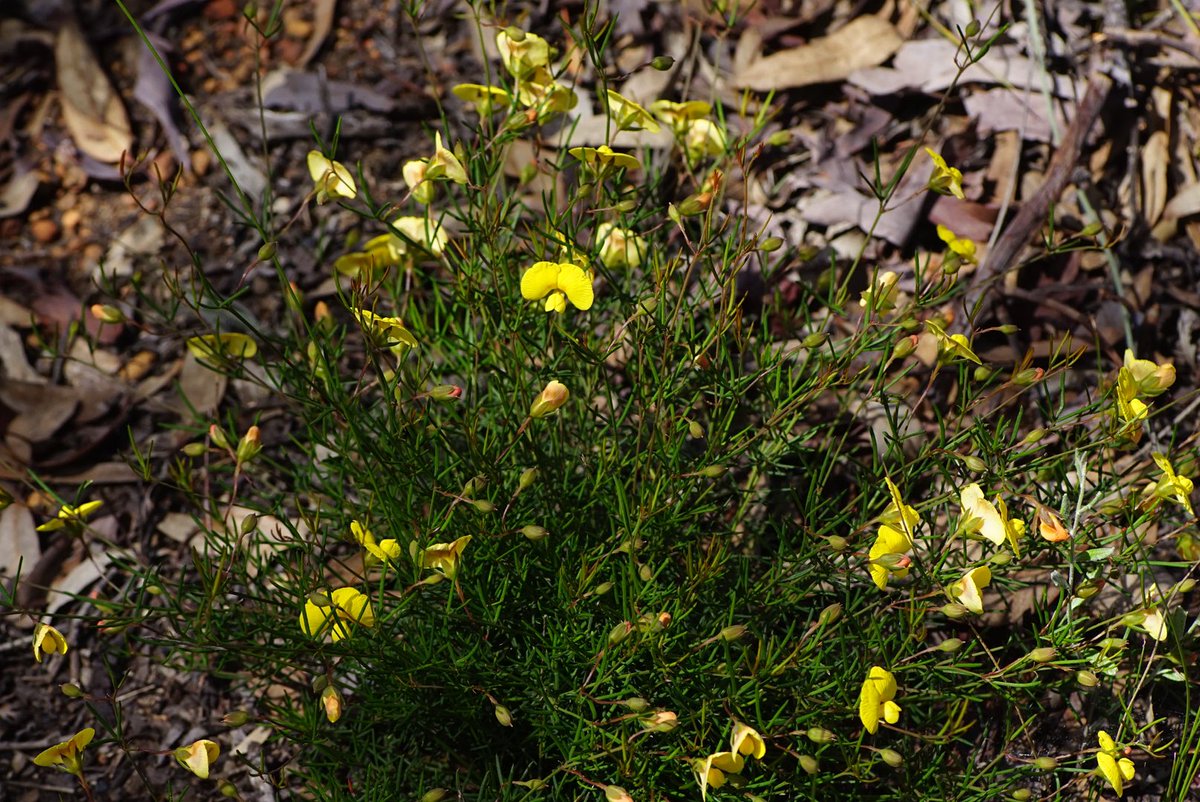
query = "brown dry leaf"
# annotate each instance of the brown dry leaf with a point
(1185, 203)
(13, 364)
(18, 192)
(92, 110)
(322, 23)
(863, 42)
(19, 549)
(1155, 161)
(202, 388)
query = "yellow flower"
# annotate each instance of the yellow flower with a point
(945, 180)
(1154, 623)
(416, 176)
(711, 771)
(445, 557)
(553, 396)
(71, 516)
(1050, 527)
(332, 178)
(1151, 379)
(968, 589)
(68, 754)
(875, 699)
(215, 347)
(486, 99)
(522, 52)
(331, 702)
(1116, 771)
(678, 115)
(604, 158)
(558, 282)
(952, 346)
(427, 233)
(881, 297)
(198, 757)
(962, 249)
(629, 116)
(990, 520)
(384, 552)
(47, 640)
(1130, 409)
(544, 96)
(341, 608)
(747, 741)
(703, 138)
(895, 537)
(1171, 485)
(390, 330)
(444, 163)
(619, 247)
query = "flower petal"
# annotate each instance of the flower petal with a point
(540, 280)
(577, 284)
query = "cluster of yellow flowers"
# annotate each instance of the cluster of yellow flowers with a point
(715, 770)
(1138, 379)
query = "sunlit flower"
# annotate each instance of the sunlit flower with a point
(426, 233)
(343, 607)
(952, 346)
(1116, 770)
(875, 699)
(619, 247)
(382, 553)
(1173, 486)
(558, 282)
(678, 115)
(198, 757)
(47, 640)
(990, 520)
(390, 330)
(1050, 527)
(544, 96)
(67, 755)
(486, 99)
(702, 138)
(228, 345)
(444, 163)
(887, 557)
(711, 771)
(883, 294)
(552, 396)
(1154, 623)
(604, 158)
(945, 180)
(416, 176)
(968, 590)
(332, 179)
(1130, 409)
(962, 249)
(747, 741)
(629, 116)
(1151, 379)
(71, 516)
(445, 557)
(522, 52)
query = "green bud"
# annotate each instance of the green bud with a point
(1021, 794)
(1046, 763)
(820, 735)
(218, 437)
(71, 690)
(974, 463)
(619, 633)
(892, 757)
(1087, 679)
(602, 588)
(514, 33)
(673, 214)
(814, 340)
(1042, 654)
(983, 373)
(626, 206)
(771, 244)
(1028, 377)
(1112, 643)
(1091, 229)
(809, 764)
(483, 505)
(1007, 328)
(712, 471)
(837, 542)
(268, 250)
(1034, 436)
(1186, 585)
(778, 140)
(235, 719)
(534, 532)
(1087, 589)
(954, 610)
(503, 716)
(636, 703)
(250, 10)
(195, 449)
(527, 174)
(950, 645)
(615, 793)
(249, 524)
(973, 28)
(228, 790)
(662, 63)
(445, 392)
(107, 314)
(1001, 558)
(904, 346)
(644, 573)
(830, 614)
(249, 446)
(695, 430)
(732, 633)
(434, 795)
(528, 477)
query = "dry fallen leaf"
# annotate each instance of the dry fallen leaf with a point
(92, 110)
(863, 42)
(19, 549)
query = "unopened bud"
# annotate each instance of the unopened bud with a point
(249, 446)
(983, 373)
(973, 28)
(1042, 654)
(820, 735)
(553, 396)
(892, 758)
(814, 340)
(830, 614)
(1021, 794)
(1112, 643)
(249, 524)
(1046, 763)
(771, 244)
(602, 588)
(1091, 229)
(446, 392)
(905, 346)
(950, 645)
(732, 633)
(673, 214)
(194, 449)
(235, 718)
(483, 505)
(619, 633)
(661, 721)
(528, 477)
(778, 140)
(1185, 586)
(1001, 558)
(1087, 679)
(218, 437)
(331, 700)
(71, 690)
(534, 532)
(228, 790)
(514, 33)
(107, 314)
(837, 542)
(662, 63)
(267, 251)
(954, 610)
(615, 793)
(712, 471)
(1033, 437)
(503, 716)
(809, 764)
(1007, 328)
(1027, 377)
(434, 795)
(626, 206)
(974, 463)
(636, 703)
(644, 573)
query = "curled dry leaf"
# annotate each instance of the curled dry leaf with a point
(866, 41)
(92, 110)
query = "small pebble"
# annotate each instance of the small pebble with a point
(44, 230)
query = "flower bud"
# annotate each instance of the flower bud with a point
(661, 721)
(107, 314)
(503, 716)
(712, 471)
(905, 346)
(446, 392)
(644, 573)
(1087, 679)
(771, 244)
(636, 703)
(954, 610)
(830, 614)
(249, 524)
(602, 588)
(619, 633)
(1028, 377)
(551, 398)
(732, 633)
(695, 430)
(809, 764)
(820, 735)
(1046, 763)
(983, 373)
(950, 645)
(814, 340)
(194, 449)
(249, 446)
(615, 793)
(534, 532)
(662, 63)
(71, 690)
(434, 795)
(1021, 794)
(483, 505)
(626, 206)
(331, 700)
(974, 463)
(892, 757)
(235, 718)
(1033, 437)
(1042, 654)
(218, 437)
(228, 790)
(778, 140)
(1091, 229)
(972, 29)
(528, 477)
(1007, 328)
(267, 251)
(837, 542)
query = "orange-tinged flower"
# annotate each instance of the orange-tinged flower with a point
(1050, 526)
(968, 590)
(335, 613)
(875, 699)
(332, 179)
(990, 520)
(47, 640)
(198, 757)
(1116, 770)
(558, 282)
(553, 396)
(67, 755)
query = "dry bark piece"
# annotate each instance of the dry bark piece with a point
(92, 110)
(863, 42)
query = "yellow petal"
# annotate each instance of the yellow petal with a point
(540, 280)
(868, 706)
(747, 741)
(891, 712)
(312, 619)
(1110, 770)
(577, 284)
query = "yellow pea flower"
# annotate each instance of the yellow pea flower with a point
(332, 179)
(887, 557)
(945, 180)
(386, 551)
(229, 345)
(1173, 486)
(486, 99)
(702, 138)
(416, 175)
(390, 330)
(883, 294)
(445, 558)
(71, 516)
(427, 233)
(553, 396)
(711, 771)
(1130, 409)
(444, 163)
(522, 52)
(1150, 378)
(345, 606)
(875, 699)
(558, 282)
(968, 590)
(990, 520)
(747, 741)
(629, 116)
(604, 158)
(619, 247)
(198, 757)
(1117, 771)
(952, 346)
(1154, 624)
(67, 755)
(678, 115)
(544, 96)
(47, 640)
(962, 250)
